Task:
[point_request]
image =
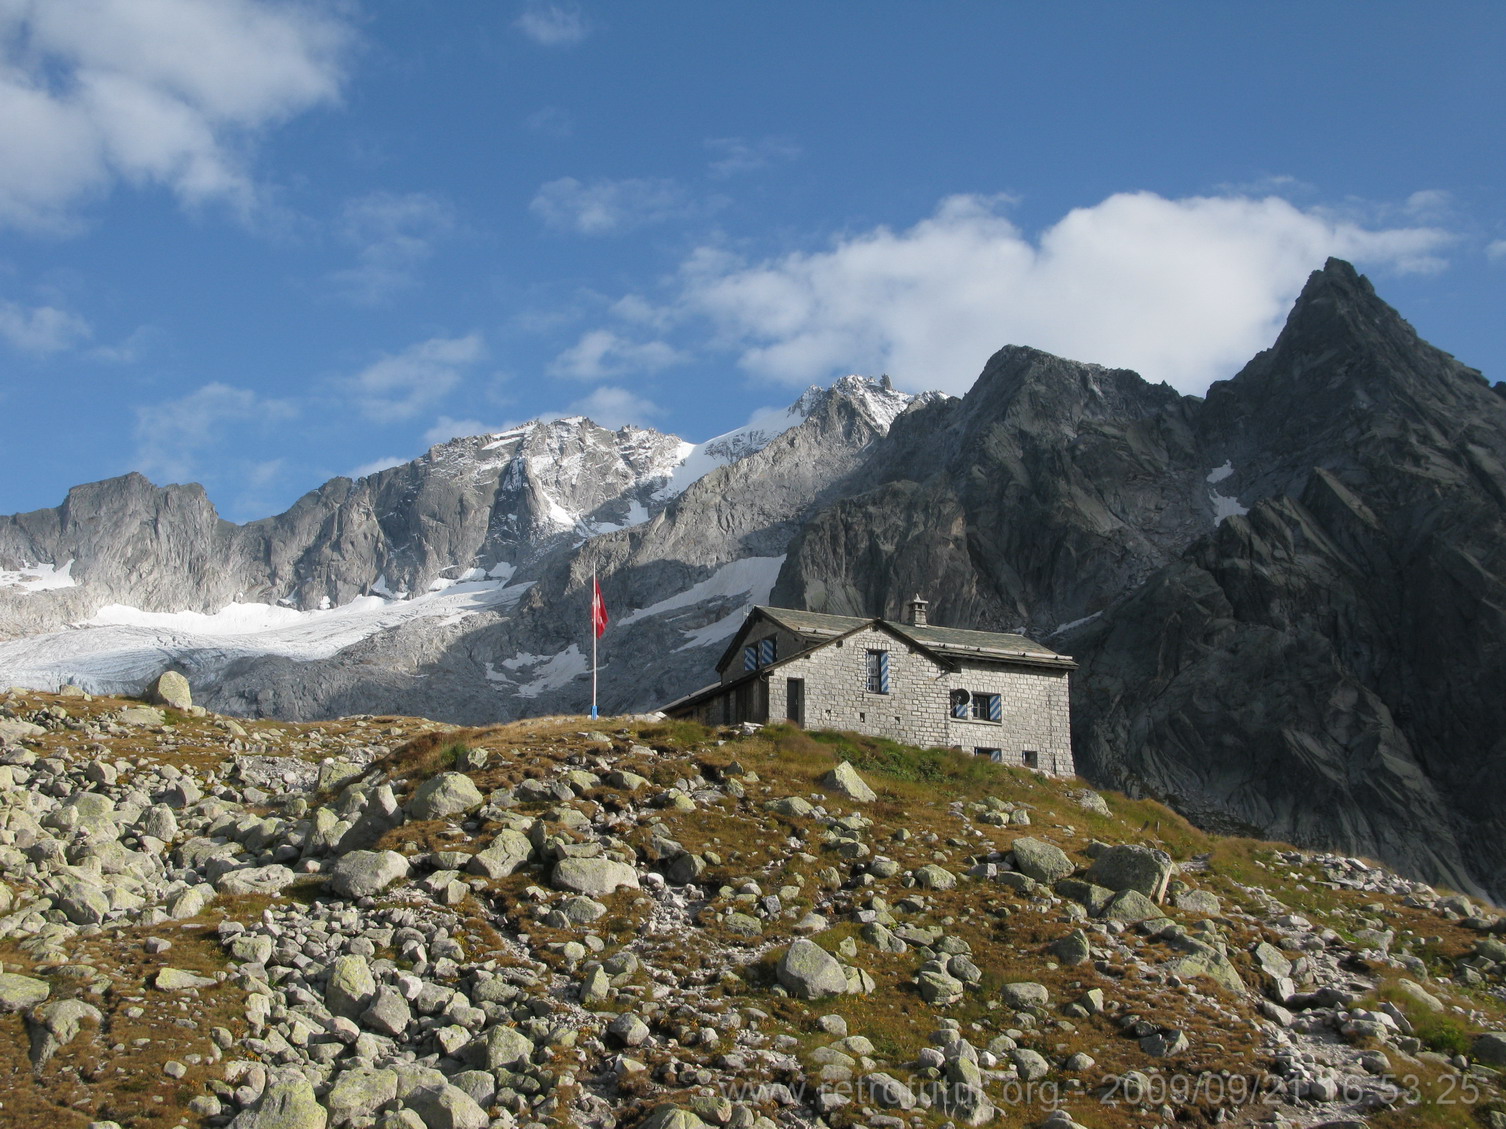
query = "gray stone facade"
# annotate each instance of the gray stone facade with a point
(824, 683)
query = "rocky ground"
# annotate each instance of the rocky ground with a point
(389, 922)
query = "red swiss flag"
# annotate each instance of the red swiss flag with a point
(598, 610)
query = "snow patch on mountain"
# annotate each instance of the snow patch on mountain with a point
(121, 649)
(1224, 507)
(748, 581)
(38, 577)
(880, 402)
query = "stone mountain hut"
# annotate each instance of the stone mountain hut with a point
(990, 693)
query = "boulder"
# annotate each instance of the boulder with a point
(172, 690)
(628, 1030)
(444, 1106)
(19, 992)
(1040, 860)
(844, 780)
(361, 874)
(358, 1093)
(56, 1024)
(506, 1048)
(1199, 902)
(82, 903)
(1131, 906)
(808, 972)
(13, 729)
(256, 880)
(388, 1013)
(141, 717)
(177, 979)
(350, 988)
(1072, 949)
(1133, 867)
(887, 1091)
(445, 795)
(933, 877)
(288, 1102)
(1489, 1048)
(593, 877)
(668, 1116)
(1030, 1065)
(506, 854)
(1025, 995)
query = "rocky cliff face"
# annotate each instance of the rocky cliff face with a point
(1323, 668)
(1286, 597)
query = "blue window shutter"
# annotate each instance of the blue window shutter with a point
(995, 708)
(883, 672)
(765, 651)
(750, 658)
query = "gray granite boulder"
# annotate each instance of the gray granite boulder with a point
(1040, 860)
(808, 972)
(445, 795)
(593, 877)
(361, 874)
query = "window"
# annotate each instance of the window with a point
(987, 707)
(878, 672)
(1031, 758)
(960, 700)
(991, 754)
(759, 654)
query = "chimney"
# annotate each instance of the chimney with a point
(917, 612)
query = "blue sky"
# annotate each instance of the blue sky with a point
(260, 244)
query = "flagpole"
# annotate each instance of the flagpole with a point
(594, 636)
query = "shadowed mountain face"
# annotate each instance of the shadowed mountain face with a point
(1327, 668)
(1287, 598)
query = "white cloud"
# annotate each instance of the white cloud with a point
(128, 351)
(393, 233)
(1496, 251)
(150, 92)
(41, 329)
(601, 353)
(401, 385)
(606, 206)
(445, 428)
(171, 435)
(735, 155)
(552, 25)
(551, 121)
(615, 407)
(1183, 290)
(386, 462)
